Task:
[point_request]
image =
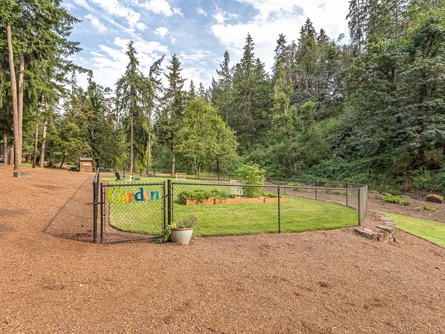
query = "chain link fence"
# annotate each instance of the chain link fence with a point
(138, 210)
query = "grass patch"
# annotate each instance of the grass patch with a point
(297, 214)
(425, 229)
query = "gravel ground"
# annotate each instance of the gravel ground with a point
(312, 282)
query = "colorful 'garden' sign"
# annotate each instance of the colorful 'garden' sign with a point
(140, 196)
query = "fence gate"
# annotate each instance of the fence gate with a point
(130, 212)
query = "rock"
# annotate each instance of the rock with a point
(386, 228)
(434, 198)
(22, 174)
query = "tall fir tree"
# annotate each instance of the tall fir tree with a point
(173, 107)
(130, 88)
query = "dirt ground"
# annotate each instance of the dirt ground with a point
(54, 280)
(379, 205)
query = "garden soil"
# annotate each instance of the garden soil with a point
(53, 279)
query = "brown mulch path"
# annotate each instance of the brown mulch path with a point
(379, 205)
(312, 282)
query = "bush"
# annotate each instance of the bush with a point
(188, 222)
(270, 195)
(251, 174)
(200, 195)
(426, 207)
(296, 184)
(393, 199)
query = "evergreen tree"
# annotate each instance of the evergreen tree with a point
(130, 89)
(192, 90)
(281, 56)
(153, 87)
(32, 35)
(173, 107)
(223, 89)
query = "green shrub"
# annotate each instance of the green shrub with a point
(200, 195)
(251, 174)
(393, 199)
(270, 195)
(426, 207)
(188, 222)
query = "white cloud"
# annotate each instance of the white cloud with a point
(141, 26)
(114, 7)
(201, 11)
(221, 16)
(96, 23)
(161, 31)
(275, 17)
(197, 74)
(172, 40)
(84, 4)
(178, 11)
(158, 7)
(194, 56)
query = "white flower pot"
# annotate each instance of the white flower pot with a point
(181, 235)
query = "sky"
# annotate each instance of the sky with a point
(199, 32)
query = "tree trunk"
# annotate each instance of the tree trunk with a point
(199, 170)
(63, 161)
(45, 122)
(11, 155)
(21, 92)
(149, 142)
(15, 113)
(173, 155)
(36, 139)
(131, 153)
(5, 150)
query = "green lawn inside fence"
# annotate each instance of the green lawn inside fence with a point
(297, 214)
(425, 229)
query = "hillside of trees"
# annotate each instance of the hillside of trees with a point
(368, 110)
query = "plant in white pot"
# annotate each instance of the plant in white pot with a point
(181, 232)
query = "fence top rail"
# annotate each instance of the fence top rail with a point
(96, 177)
(132, 184)
(291, 179)
(259, 185)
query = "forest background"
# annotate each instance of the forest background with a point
(370, 111)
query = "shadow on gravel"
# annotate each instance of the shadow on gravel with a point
(74, 220)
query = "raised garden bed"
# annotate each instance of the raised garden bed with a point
(236, 200)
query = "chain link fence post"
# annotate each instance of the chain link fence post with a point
(169, 201)
(163, 206)
(102, 213)
(95, 200)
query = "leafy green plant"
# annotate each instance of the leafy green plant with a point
(426, 207)
(188, 222)
(200, 195)
(166, 234)
(270, 195)
(394, 199)
(297, 186)
(251, 174)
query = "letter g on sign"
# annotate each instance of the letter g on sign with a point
(110, 195)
